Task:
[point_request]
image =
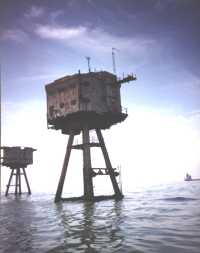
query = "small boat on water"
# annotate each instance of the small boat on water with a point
(189, 178)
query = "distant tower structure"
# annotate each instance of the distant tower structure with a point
(17, 159)
(77, 104)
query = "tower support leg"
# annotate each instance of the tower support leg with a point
(117, 191)
(87, 168)
(9, 181)
(26, 179)
(16, 181)
(19, 179)
(17, 185)
(64, 169)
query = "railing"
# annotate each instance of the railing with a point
(78, 141)
(125, 110)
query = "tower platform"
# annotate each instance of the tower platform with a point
(17, 159)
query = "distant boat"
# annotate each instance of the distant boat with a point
(192, 179)
(189, 178)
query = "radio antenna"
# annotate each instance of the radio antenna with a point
(113, 60)
(88, 60)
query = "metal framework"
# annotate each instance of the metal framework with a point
(17, 172)
(17, 159)
(88, 171)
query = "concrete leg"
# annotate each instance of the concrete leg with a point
(26, 179)
(64, 169)
(87, 168)
(108, 165)
(9, 181)
(19, 179)
(16, 181)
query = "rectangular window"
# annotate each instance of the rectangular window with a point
(73, 102)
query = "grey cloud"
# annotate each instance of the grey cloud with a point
(34, 12)
(15, 35)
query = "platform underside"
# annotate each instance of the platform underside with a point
(94, 199)
(15, 165)
(76, 121)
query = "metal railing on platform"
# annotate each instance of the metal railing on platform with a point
(125, 110)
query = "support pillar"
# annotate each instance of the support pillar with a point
(26, 179)
(108, 164)
(16, 181)
(17, 173)
(87, 167)
(88, 171)
(64, 169)
(19, 181)
(9, 181)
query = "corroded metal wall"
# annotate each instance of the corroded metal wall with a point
(62, 98)
(96, 91)
(17, 156)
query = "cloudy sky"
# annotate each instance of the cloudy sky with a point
(158, 40)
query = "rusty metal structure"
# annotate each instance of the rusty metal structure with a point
(77, 104)
(17, 159)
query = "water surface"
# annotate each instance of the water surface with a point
(164, 219)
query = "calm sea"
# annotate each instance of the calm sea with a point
(164, 219)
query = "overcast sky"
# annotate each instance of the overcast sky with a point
(158, 40)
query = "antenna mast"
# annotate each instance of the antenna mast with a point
(113, 60)
(88, 60)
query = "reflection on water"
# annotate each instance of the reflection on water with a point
(90, 228)
(162, 219)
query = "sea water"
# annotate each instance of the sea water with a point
(164, 219)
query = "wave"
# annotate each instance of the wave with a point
(179, 199)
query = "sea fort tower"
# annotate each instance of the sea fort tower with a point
(77, 104)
